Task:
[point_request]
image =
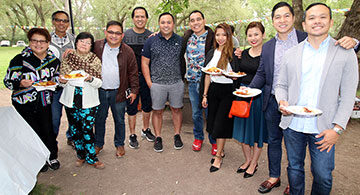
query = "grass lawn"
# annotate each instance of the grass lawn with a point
(6, 54)
(43, 189)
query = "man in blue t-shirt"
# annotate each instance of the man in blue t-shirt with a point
(165, 77)
(135, 37)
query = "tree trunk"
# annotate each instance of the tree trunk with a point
(299, 12)
(351, 25)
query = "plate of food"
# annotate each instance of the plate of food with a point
(246, 92)
(45, 85)
(75, 76)
(212, 70)
(303, 110)
(234, 74)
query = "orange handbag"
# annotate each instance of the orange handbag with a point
(240, 109)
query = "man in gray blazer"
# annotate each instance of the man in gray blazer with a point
(317, 74)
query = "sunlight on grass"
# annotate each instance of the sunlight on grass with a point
(6, 54)
(43, 189)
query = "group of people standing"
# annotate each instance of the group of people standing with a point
(124, 67)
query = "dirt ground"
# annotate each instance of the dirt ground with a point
(143, 171)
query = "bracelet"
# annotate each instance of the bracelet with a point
(204, 95)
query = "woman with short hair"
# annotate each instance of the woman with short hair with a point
(81, 97)
(36, 63)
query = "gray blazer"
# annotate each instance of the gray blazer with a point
(338, 85)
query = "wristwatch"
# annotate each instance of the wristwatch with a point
(338, 130)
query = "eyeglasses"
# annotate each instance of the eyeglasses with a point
(85, 42)
(34, 41)
(61, 20)
(114, 33)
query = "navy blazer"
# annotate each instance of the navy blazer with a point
(265, 73)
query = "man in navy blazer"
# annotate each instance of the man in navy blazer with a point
(266, 77)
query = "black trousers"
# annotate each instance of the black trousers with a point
(40, 120)
(220, 98)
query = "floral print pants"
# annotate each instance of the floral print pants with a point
(81, 122)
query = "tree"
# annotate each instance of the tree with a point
(351, 25)
(299, 12)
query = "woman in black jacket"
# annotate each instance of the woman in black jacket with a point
(34, 64)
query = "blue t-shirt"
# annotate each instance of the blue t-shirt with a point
(165, 58)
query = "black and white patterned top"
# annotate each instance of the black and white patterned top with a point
(165, 58)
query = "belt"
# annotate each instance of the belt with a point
(108, 89)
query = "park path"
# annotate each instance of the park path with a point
(144, 171)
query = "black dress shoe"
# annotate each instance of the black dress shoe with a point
(247, 175)
(44, 168)
(213, 168)
(240, 170)
(266, 186)
(212, 160)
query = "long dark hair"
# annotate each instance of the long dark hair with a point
(226, 53)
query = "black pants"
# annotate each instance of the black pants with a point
(220, 97)
(40, 120)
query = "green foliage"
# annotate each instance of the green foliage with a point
(173, 6)
(6, 54)
(42, 189)
(92, 15)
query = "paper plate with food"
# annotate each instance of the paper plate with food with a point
(212, 70)
(234, 74)
(303, 110)
(74, 77)
(246, 92)
(45, 85)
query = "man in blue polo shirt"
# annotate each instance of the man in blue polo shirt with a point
(165, 77)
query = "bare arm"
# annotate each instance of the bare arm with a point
(206, 89)
(146, 70)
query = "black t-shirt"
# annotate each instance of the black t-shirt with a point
(249, 65)
(136, 42)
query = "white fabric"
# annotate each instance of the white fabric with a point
(22, 153)
(90, 97)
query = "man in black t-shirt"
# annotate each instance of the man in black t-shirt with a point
(135, 37)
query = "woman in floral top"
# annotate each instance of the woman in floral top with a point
(81, 97)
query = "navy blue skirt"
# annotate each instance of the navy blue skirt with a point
(252, 129)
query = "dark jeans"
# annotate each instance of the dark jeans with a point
(108, 99)
(275, 135)
(39, 118)
(322, 163)
(56, 110)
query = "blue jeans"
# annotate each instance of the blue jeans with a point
(108, 99)
(56, 110)
(197, 112)
(275, 135)
(322, 163)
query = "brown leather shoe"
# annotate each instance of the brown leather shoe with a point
(120, 151)
(287, 190)
(98, 149)
(98, 165)
(266, 186)
(79, 162)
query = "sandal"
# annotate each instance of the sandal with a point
(79, 162)
(98, 165)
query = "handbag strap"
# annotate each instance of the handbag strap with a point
(251, 101)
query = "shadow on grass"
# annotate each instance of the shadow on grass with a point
(43, 189)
